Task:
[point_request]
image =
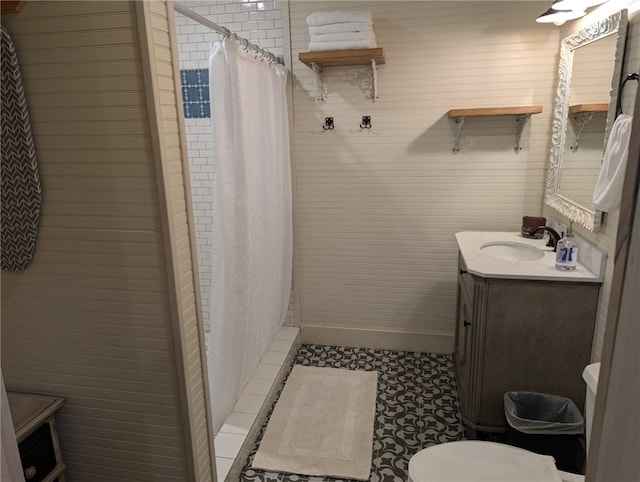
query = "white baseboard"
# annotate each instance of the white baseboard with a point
(375, 338)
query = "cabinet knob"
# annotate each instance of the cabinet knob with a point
(30, 472)
(466, 323)
(463, 271)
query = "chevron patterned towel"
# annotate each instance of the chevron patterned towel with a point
(20, 193)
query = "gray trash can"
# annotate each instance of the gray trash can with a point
(545, 424)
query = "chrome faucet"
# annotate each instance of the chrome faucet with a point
(554, 237)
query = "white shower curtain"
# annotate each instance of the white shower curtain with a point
(252, 233)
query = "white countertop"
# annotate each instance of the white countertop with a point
(481, 264)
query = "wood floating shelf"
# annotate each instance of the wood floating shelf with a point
(11, 5)
(585, 108)
(492, 111)
(342, 58)
(583, 113)
(317, 61)
(523, 114)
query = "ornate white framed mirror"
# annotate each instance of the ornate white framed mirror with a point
(589, 73)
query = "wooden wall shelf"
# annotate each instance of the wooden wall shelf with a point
(491, 111)
(583, 108)
(316, 61)
(582, 114)
(342, 58)
(522, 112)
(11, 5)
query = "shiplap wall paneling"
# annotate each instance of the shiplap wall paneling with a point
(90, 319)
(163, 100)
(377, 209)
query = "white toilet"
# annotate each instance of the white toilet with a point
(478, 461)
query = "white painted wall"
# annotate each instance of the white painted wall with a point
(377, 209)
(99, 318)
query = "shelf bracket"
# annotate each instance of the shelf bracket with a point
(582, 120)
(374, 83)
(321, 89)
(456, 142)
(521, 120)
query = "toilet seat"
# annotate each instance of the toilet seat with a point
(479, 461)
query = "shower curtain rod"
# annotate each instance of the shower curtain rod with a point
(180, 8)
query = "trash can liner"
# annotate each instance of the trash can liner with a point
(539, 413)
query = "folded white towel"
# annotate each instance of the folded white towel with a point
(339, 28)
(369, 36)
(324, 18)
(343, 45)
(608, 190)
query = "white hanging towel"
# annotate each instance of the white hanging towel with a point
(325, 18)
(608, 190)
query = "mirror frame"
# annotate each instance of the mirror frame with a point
(617, 22)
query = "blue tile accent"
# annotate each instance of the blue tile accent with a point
(195, 93)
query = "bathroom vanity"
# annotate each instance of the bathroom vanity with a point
(521, 325)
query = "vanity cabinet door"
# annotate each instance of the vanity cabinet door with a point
(538, 338)
(461, 354)
(464, 341)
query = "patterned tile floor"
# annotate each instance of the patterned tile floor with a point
(416, 407)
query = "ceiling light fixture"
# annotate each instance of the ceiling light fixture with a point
(558, 17)
(576, 4)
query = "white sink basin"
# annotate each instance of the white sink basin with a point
(511, 251)
(503, 255)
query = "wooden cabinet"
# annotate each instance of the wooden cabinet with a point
(519, 335)
(33, 422)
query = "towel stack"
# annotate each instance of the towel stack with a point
(341, 31)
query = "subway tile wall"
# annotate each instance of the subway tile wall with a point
(259, 22)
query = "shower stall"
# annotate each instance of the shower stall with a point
(236, 123)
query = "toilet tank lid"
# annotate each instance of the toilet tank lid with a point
(590, 375)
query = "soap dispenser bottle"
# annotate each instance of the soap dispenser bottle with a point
(567, 252)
